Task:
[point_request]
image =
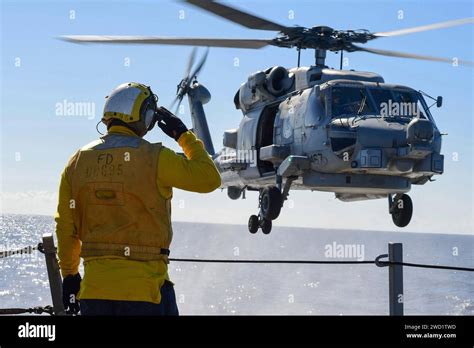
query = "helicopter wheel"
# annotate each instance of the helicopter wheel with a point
(402, 210)
(270, 202)
(266, 226)
(253, 224)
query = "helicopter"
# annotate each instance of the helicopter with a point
(314, 128)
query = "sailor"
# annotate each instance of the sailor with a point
(114, 208)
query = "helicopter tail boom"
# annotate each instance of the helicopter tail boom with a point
(199, 95)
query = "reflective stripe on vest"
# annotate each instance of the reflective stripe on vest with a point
(118, 210)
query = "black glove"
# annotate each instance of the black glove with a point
(170, 124)
(71, 286)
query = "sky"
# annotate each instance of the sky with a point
(40, 74)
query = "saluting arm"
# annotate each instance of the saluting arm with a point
(196, 172)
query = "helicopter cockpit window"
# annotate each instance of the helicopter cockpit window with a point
(350, 101)
(381, 97)
(398, 103)
(410, 103)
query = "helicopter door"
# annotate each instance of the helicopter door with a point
(265, 132)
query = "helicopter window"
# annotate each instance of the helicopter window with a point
(410, 103)
(382, 97)
(397, 103)
(350, 101)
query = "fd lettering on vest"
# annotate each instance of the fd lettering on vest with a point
(105, 167)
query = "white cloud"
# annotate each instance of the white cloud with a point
(29, 202)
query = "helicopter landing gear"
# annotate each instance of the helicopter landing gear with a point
(266, 226)
(401, 209)
(270, 203)
(253, 224)
(256, 222)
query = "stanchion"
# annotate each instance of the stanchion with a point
(395, 278)
(54, 274)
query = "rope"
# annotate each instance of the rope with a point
(26, 250)
(35, 310)
(311, 262)
(377, 262)
(419, 265)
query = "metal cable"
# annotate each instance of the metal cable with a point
(25, 250)
(376, 262)
(269, 261)
(419, 265)
(35, 310)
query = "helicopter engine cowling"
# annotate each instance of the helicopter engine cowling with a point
(263, 87)
(278, 81)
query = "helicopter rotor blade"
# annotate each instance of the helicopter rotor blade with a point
(237, 16)
(411, 55)
(177, 101)
(199, 66)
(174, 102)
(191, 59)
(177, 106)
(183, 86)
(159, 40)
(440, 25)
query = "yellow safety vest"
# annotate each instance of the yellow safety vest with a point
(117, 208)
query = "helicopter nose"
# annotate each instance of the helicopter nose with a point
(397, 146)
(377, 133)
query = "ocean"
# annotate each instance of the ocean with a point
(273, 289)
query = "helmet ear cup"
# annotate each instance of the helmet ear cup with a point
(150, 119)
(148, 111)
